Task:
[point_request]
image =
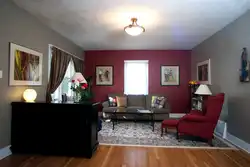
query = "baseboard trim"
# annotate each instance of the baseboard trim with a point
(219, 137)
(5, 152)
(241, 144)
(179, 147)
(176, 115)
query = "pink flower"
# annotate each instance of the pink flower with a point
(73, 81)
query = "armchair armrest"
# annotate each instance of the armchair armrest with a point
(194, 118)
(105, 104)
(196, 112)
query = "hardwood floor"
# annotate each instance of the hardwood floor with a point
(126, 156)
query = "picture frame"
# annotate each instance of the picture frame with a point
(170, 75)
(104, 75)
(25, 66)
(204, 72)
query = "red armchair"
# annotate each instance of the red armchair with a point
(202, 125)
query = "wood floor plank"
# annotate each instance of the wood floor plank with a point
(128, 156)
(221, 159)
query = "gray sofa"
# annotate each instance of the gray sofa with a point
(135, 102)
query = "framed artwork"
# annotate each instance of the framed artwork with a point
(204, 72)
(170, 75)
(245, 66)
(25, 66)
(104, 75)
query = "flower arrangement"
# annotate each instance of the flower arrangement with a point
(193, 82)
(81, 90)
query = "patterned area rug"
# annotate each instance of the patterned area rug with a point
(141, 134)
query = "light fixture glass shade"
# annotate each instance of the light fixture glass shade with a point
(78, 77)
(134, 29)
(29, 95)
(203, 90)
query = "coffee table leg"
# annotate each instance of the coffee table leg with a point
(114, 120)
(153, 122)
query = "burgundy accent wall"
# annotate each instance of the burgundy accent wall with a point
(178, 96)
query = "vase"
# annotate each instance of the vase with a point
(76, 97)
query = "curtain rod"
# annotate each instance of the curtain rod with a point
(65, 51)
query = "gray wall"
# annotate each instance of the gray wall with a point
(224, 49)
(21, 28)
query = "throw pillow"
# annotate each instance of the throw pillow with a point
(153, 100)
(121, 101)
(112, 102)
(159, 102)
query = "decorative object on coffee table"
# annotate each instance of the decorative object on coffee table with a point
(25, 66)
(104, 75)
(170, 75)
(204, 72)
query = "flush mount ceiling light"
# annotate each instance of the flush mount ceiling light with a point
(134, 29)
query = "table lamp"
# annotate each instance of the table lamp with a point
(203, 91)
(78, 77)
(29, 95)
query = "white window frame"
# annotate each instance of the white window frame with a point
(125, 73)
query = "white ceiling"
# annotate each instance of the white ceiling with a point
(170, 24)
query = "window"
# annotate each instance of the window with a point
(136, 77)
(64, 87)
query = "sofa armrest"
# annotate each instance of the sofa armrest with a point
(194, 118)
(166, 106)
(105, 104)
(160, 110)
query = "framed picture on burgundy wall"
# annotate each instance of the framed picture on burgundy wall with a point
(104, 75)
(170, 75)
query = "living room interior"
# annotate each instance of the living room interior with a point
(135, 83)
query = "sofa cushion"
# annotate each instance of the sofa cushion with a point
(134, 108)
(112, 109)
(136, 100)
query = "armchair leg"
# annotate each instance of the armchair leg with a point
(162, 131)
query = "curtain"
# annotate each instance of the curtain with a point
(136, 77)
(59, 63)
(78, 65)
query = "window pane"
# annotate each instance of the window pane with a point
(136, 77)
(64, 87)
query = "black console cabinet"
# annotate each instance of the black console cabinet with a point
(54, 129)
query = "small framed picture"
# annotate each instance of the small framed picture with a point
(170, 75)
(204, 72)
(104, 75)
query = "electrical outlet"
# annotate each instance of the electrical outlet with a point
(1, 74)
